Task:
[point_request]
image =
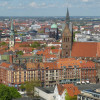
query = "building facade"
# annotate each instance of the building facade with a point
(64, 71)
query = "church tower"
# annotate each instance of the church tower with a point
(12, 36)
(67, 38)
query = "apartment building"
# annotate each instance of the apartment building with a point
(77, 71)
(63, 71)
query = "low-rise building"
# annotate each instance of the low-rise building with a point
(66, 91)
(45, 93)
(89, 95)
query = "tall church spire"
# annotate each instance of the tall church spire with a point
(67, 37)
(67, 17)
(12, 35)
(12, 28)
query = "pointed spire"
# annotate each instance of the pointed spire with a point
(67, 17)
(12, 28)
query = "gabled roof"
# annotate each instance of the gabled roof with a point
(4, 64)
(71, 89)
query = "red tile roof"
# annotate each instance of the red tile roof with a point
(72, 62)
(50, 56)
(71, 89)
(5, 65)
(86, 49)
(51, 65)
(88, 64)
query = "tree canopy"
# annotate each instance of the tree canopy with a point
(14, 93)
(35, 45)
(8, 93)
(19, 52)
(67, 97)
(29, 87)
(3, 43)
(52, 47)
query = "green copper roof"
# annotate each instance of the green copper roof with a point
(12, 28)
(54, 26)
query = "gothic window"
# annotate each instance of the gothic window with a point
(64, 39)
(68, 39)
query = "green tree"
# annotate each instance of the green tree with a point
(74, 98)
(35, 45)
(8, 93)
(1, 31)
(75, 33)
(52, 47)
(22, 87)
(67, 97)
(29, 86)
(4, 93)
(3, 43)
(14, 93)
(19, 52)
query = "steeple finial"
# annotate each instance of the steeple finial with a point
(67, 17)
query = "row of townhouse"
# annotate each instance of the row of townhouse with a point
(63, 71)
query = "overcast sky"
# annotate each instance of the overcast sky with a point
(49, 7)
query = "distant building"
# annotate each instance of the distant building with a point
(54, 31)
(35, 27)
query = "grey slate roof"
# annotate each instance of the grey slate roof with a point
(28, 98)
(47, 90)
(88, 86)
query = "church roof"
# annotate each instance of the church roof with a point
(66, 31)
(86, 49)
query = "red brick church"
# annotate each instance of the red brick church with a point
(83, 50)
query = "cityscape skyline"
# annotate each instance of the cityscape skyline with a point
(48, 8)
(47, 56)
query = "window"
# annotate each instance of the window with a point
(68, 39)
